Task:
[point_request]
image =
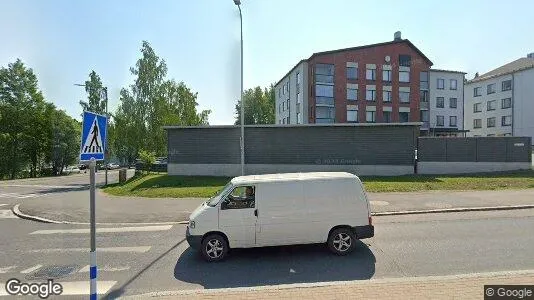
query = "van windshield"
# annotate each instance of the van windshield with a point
(215, 199)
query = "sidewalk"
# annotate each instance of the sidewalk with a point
(469, 286)
(73, 206)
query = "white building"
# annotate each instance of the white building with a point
(501, 102)
(291, 108)
(446, 105)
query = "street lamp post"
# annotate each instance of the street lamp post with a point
(238, 3)
(105, 91)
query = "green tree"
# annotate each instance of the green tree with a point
(150, 103)
(259, 106)
(96, 95)
(148, 158)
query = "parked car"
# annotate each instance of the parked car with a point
(112, 166)
(72, 170)
(282, 209)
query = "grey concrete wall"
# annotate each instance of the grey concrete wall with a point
(235, 169)
(380, 149)
(472, 167)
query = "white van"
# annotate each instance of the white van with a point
(282, 209)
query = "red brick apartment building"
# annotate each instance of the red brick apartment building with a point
(378, 83)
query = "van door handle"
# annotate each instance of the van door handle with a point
(256, 212)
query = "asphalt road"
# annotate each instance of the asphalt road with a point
(134, 260)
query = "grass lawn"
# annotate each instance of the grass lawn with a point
(158, 185)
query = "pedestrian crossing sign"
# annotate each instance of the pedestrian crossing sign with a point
(93, 136)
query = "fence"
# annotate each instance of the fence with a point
(363, 149)
(473, 154)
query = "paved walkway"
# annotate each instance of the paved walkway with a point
(73, 206)
(469, 286)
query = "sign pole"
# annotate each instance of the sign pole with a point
(92, 166)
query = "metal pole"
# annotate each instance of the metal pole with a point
(106, 142)
(92, 273)
(241, 101)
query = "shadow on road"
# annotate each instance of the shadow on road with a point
(276, 265)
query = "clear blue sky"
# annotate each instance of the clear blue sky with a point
(64, 40)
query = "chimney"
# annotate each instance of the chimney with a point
(476, 74)
(530, 55)
(397, 36)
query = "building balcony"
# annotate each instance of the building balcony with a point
(424, 105)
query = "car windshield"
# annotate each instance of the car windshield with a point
(215, 199)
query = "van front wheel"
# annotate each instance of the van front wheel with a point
(341, 241)
(214, 248)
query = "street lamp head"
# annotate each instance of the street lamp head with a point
(237, 2)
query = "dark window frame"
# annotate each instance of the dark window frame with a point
(477, 92)
(502, 85)
(455, 121)
(488, 122)
(455, 84)
(455, 102)
(504, 106)
(438, 123)
(356, 73)
(437, 84)
(438, 102)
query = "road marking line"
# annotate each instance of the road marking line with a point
(6, 269)
(47, 186)
(2, 204)
(104, 269)
(106, 229)
(18, 196)
(29, 270)
(140, 249)
(7, 214)
(75, 287)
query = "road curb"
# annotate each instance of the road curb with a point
(22, 215)
(16, 211)
(449, 210)
(393, 280)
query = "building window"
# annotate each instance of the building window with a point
(477, 107)
(283, 106)
(491, 88)
(352, 94)
(386, 75)
(298, 82)
(352, 115)
(477, 123)
(405, 60)
(453, 103)
(440, 102)
(370, 116)
(506, 85)
(404, 117)
(283, 120)
(404, 97)
(299, 118)
(279, 93)
(324, 73)
(352, 73)
(423, 80)
(453, 121)
(387, 116)
(491, 122)
(370, 74)
(386, 96)
(423, 96)
(506, 120)
(299, 97)
(280, 107)
(404, 76)
(440, 121)
(454, 84)
(477, 92)
(324, 114)
(492, 105)
(287, 105)
(506, 103)
(425, 116)
(441, 83)
(324, 90)
(370, 95)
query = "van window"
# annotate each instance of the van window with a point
(241, 197)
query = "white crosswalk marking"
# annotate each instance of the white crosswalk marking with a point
(6, 269)
(139, 249)
(104, 269)
(106, 229)
(2, 204)
(7, 214)
(18, 196)
(71, 288)
(29, 270)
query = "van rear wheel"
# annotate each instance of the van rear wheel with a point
(214, 248)
(341, 241)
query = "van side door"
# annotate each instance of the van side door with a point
(237, 217)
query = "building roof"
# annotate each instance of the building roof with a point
(291, 177)
(360, 48)
(447, 71)
(517, 65)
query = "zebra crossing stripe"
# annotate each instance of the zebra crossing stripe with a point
(29, 270)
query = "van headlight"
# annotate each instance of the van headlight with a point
(191, 224)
